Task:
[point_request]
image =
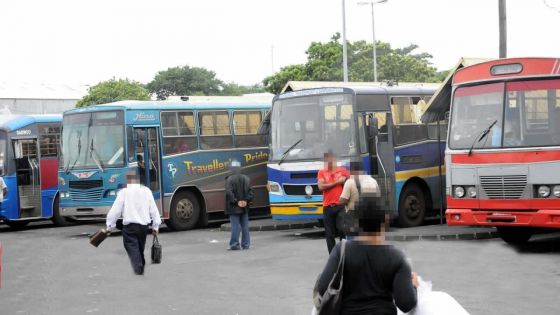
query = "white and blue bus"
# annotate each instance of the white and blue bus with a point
(183, 151)
(29, 146)
(380, 125)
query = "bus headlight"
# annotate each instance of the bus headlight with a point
(459, 192)
(471, 192)
(543, 191)
(309, 190)
(64, 195)
(112, 193)
(274, 188)
(556, 191)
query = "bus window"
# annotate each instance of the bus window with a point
(130, 144)
(215, 131)
(246, 125)
(179, 132)
(407, 113)
(49, 139)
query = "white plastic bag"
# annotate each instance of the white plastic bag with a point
(434, 302)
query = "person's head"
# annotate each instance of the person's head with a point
(330, 160)
(235, 167)
(132, 177)
(370, 217)
(356, 167)
(140, 158)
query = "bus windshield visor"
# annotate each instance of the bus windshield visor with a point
(304, 128)
(2, 153)
(93, 140)
(530, 111)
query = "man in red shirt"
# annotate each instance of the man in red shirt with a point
(331, 181)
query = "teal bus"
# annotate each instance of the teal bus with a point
(183, 151)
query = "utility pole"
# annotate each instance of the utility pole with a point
(344, 48)
(374, 41)
(503, 28)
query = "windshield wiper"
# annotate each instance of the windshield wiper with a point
(68, 167)
(285, 155)
(93, 154)
(483, 135)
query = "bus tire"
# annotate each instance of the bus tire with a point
(16, 225)
(185, 211)
(412, 206)
(57, 219)
(514, 235)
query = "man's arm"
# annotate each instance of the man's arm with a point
(154, 213)
(250, 192)
(232, 199)
(346, 194)
(116, 211)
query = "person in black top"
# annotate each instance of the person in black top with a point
(376, 275)
(239, 195)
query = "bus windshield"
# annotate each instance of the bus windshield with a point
(2, 153)
(93, 140)
(526, 115)
(319, 123)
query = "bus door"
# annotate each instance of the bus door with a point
(381, 153)
(28, 177)
(148, 156)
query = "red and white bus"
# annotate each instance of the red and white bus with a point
(503, 147)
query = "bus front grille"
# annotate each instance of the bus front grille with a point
(86, 195)
(299, 190)
(86, 184)
(504, 187)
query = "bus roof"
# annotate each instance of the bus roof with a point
(306, 85)
(361, 90)
(13, 122)
(509, 68)
(167, 105)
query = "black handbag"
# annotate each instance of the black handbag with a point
(156, 251)
(331, 301)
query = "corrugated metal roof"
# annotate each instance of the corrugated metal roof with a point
(304, 85)
(31, 90)
(440, 102)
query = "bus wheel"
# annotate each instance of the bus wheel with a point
(57, 218)
(514, 235)
(17, 224)
(412, 206)
(184, 212)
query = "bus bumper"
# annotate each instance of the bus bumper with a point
(543, 218)
(85, 212)
(291, 211)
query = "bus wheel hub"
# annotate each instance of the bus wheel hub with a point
(412, 206)
(185, 209)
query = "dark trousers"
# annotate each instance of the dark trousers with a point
(239, 224)
(134, 240)
(333, 219)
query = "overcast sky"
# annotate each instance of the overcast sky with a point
(84, 41)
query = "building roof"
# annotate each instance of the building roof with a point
(29, 90)
(304, 85)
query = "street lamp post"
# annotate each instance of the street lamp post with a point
(374, 48)
(344, 46)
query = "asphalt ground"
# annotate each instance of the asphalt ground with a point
(48, 270)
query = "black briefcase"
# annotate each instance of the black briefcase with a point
(96, 238)
(156, 251)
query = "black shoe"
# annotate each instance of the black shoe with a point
(234, 248)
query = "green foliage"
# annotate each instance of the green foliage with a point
(112, 91)
(233, 89)
(185, 81)
(324, 63)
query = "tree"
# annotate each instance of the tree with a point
(234, 89)
(112, 91)
(324, 63)
(185, 81)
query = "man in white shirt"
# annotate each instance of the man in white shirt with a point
(3, 189)
(137, 206)
(350, 194)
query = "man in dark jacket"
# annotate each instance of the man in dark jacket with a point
(238, 197)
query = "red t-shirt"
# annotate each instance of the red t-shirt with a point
(332, 195)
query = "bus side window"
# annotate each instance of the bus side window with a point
(49, 140)
(130, 144)
(246, 125)
(407, 113)
(215, 131)
(179, 132)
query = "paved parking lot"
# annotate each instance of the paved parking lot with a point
(49, 270)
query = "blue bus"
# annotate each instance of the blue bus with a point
(183, 151)
(29, 146)
(380, 125)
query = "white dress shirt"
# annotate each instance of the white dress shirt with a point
(135, 204)
(2, 186)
